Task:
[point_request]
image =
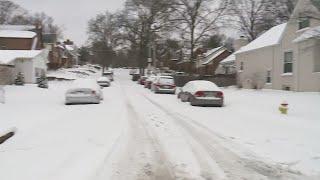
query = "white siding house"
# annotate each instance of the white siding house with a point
(32, 63)
(286, 57)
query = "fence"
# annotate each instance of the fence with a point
(220, 80)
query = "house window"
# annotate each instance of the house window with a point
(269, 77)
(241, 66)
(288, 62)
(304, 23)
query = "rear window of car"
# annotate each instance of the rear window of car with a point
(164, 80)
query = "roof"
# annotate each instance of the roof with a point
(229, 59)
(214, 54)
(270, 38)
(8, 56)
(69, 47)
(309, 34)
(17, 34)
(17, 27)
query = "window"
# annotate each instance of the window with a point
(269, 77)
(288, 62)
(241, 66)
(304, 23)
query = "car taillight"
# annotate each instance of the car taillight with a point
(199, 94)
(158, 85)
(220, 94)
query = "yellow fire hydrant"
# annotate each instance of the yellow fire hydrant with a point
(284, 108)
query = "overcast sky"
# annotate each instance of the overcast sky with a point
(72, 15)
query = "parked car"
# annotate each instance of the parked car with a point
(142, 80)
(135, 77)
(84, 91)
(108, 74)
(104, 81)
(164, 84)
(133, 71)
(149, 81)
(202, 93)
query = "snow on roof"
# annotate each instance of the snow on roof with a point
(214, 54)
(17, 27)
(17, 34)
(69, 47)
(309, 34)
(211, 51)
(270, 38)
(8, 56)
(229, 59)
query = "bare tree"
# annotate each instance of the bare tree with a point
(197, 19)
(143, 22)
(8, 10)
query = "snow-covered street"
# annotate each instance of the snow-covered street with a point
(136, 134)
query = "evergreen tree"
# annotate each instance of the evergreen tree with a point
(19, 81)
(43, 81)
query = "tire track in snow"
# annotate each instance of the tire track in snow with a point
(235, 167)
(142, 158)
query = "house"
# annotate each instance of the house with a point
(63, 55)
(32, 63)
(286, 57)
(227, 66)
(208, 62)
(20, 37)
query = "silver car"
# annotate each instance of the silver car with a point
(84, 91)
(164, 84)
(201, 93)
(104, 82)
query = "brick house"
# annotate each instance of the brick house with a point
(14, 37)
(207, 63)
(63, 55)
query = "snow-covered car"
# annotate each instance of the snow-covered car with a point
(202, 93)
(84, 91)
(149, 81)
(104, 81)
(108, 74)
(164, 84)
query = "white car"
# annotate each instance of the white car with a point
(104, 81)
(164, 84)
(84, 91)
(201, 93)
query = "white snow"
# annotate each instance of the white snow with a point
(8, 56)
(119, 138)
(270, 38)
(214, 55)
(200, 85)
(69, 47)
(311, 33)
(17, 34)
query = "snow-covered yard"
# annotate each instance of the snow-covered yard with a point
(135, 134)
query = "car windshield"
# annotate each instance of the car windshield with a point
(159, 89)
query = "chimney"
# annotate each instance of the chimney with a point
(240, 42)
